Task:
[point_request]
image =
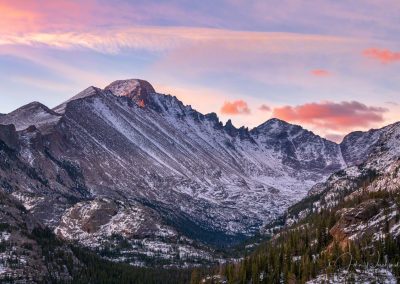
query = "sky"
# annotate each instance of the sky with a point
(330, 66)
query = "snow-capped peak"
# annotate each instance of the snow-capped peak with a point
(137, 90)
(130, 88)
(33, 113)
(88, 92)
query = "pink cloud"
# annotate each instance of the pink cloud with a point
(235, 107)
(264, 107)
(81, 16)
(332, 116)
(320, 73)
(383, 55)
(28, 16)
(14, 20)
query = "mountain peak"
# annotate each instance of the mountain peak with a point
(137, 90)
(88, 92)
(130, 88)
(275, 122)
(33, 113)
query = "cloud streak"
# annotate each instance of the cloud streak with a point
(320, 73)
(332, 116)
(156, 38)
(383, 55)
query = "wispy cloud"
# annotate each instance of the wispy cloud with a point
(332, 116)
(382, 55)
(113, 40)
(257, 51)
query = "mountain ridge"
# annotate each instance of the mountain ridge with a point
(177, 176)
(143, 84)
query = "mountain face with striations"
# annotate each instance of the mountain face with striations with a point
(347, 228)
(364, 199)
(137, 175)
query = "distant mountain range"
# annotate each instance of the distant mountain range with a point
(139, 177)
(347, 229)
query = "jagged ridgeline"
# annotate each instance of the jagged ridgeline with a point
(137, 177)
(347, 230)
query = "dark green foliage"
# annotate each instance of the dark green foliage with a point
(4, 226)
(301, 252)
(88, 267)
(97, 270)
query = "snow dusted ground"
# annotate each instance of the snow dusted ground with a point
(359, 276)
